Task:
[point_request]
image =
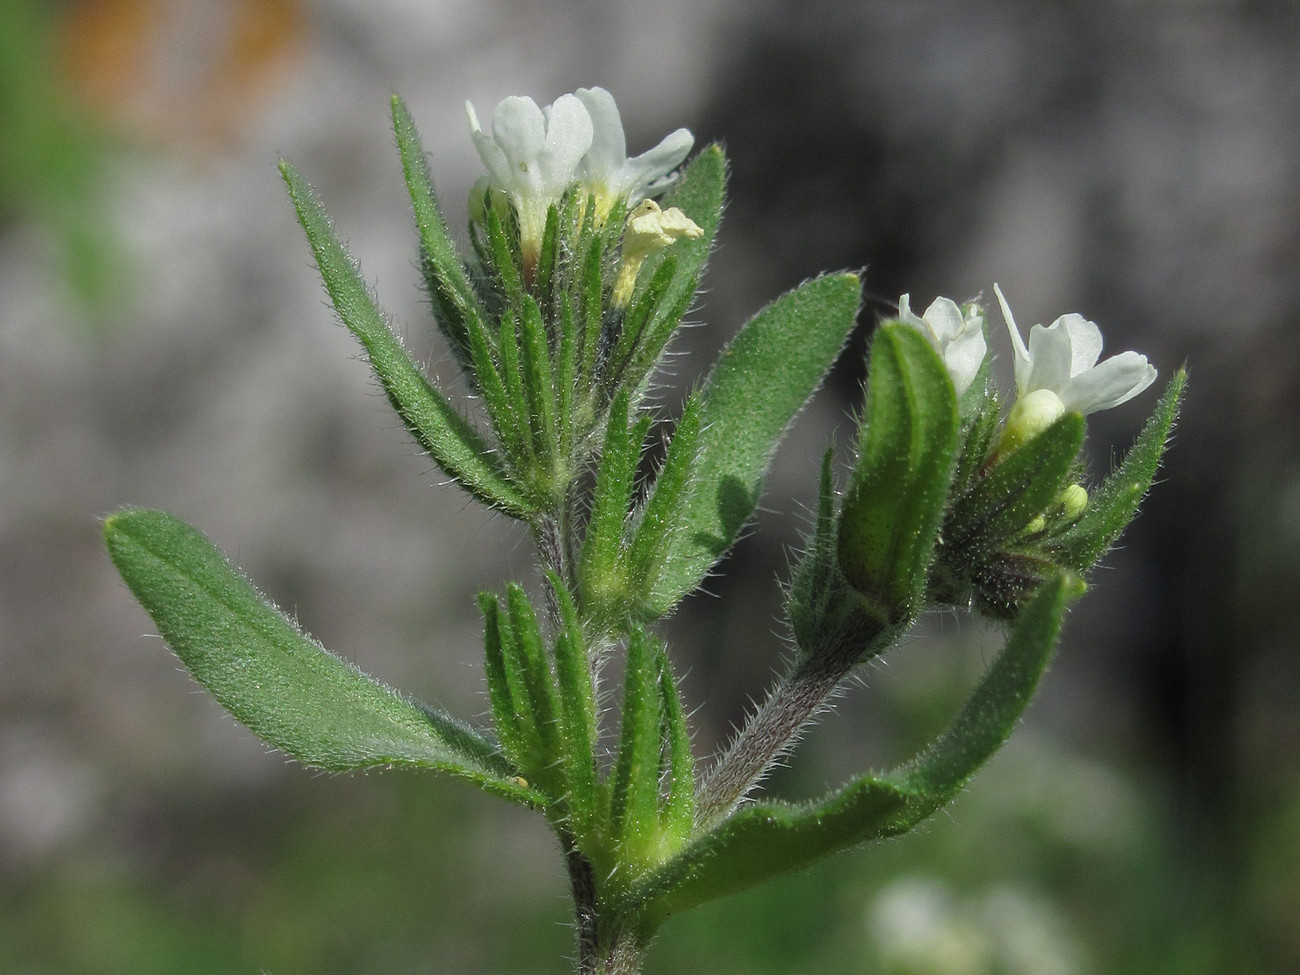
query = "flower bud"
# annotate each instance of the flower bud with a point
(1074, 501)
(1031, 415)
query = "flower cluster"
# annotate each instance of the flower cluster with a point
(1016, 512)
(1057, 373)
(534, 155)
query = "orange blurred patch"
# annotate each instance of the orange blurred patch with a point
(180, 71)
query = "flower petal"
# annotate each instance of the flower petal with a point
(1115, 381)
(648, 170)
(963, 356)
(1050, 354)
(519, 128)
(568, 137)
(1023, 365)
(608, 150)
(905, 313)
(1085, 341)
(944, 320)
(494, 159)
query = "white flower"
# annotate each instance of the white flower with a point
(958, 338)
(1062, 359)
(532, 157)
(607, 172)
(1058, 373)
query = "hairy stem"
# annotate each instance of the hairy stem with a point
(772, 730)
(604, 948)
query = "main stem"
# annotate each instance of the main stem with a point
(604, 948)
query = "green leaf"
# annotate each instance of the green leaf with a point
(1114, 504)
(764, 840)
(890, 518)
(459, 312)
(448, 437)
(1020, 486)
(652, 537)
(760, 383)
(290, 691)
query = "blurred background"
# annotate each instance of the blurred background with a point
(164, 342)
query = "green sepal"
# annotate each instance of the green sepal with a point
(1020, 486)
(539, 692)
(448, 437)
(980, 425)
(592, 307)
(658, 519)
(890, 518)
(677, 812)
(507, 713)
(459, 312)
(548, 258)
(1112, 506)
(767, 839)
(656, 335)
(503, 412)
(762, 380)
(503, 246)
(285, 687)
(604, 573)
(631, 337)
(813, 585)
(516, 395)
(577, 702)
(634, 800)
(699, 192)
(539, 388)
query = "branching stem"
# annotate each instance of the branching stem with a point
(772, 730)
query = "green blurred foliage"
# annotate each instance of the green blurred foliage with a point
(50, 153)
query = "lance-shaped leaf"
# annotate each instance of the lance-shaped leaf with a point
(450, 440)
(767, 839)
(459, 312)
(762, 380)
(291, 692)
(1113, 505)
(890, 518)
